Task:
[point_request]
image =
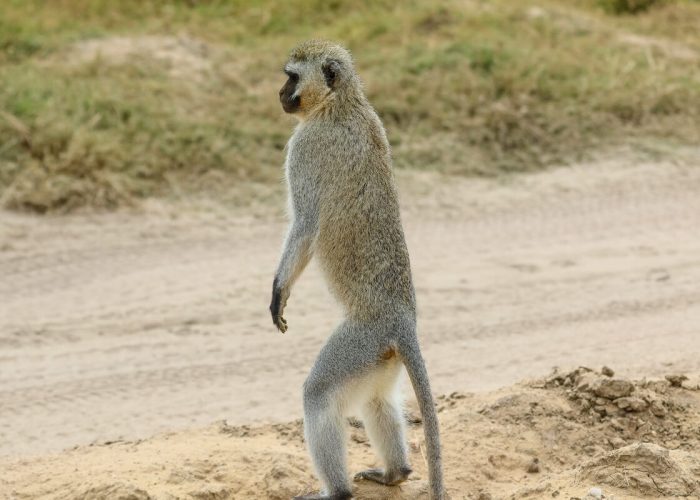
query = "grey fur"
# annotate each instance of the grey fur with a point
(344, 210)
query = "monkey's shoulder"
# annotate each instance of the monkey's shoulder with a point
(344, 138)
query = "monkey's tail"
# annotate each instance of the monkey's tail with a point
(415, 366)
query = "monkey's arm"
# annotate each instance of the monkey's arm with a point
(295, 256)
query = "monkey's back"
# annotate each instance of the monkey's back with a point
(360, 244)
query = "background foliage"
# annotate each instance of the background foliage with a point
(105, 102)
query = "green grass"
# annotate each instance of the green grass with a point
(465, 87)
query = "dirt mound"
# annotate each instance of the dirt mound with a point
(626, 411)
(579, 434)
(645, 468)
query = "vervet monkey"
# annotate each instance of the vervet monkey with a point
(344, 210)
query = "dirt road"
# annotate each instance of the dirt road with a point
(123, 325)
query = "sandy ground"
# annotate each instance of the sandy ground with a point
(563, 436)
(123, 325)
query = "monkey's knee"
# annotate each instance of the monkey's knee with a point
(315, 394)
(318, 394)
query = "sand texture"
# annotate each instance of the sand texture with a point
(554, 437)
(116, 327)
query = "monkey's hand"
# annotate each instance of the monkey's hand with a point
(279, 300)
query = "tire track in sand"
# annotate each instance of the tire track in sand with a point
(123, 325)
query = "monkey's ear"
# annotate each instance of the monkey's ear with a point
(331, 70)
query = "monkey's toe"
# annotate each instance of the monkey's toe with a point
(344, 495)
(387, 479)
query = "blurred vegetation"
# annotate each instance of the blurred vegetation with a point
(105, 102)
(628, 6)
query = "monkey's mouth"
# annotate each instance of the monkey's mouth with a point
(290, 105)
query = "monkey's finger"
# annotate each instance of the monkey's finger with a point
(283, 324)
(280, 323)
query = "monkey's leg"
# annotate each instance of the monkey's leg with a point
(384, 424)
(325, 438)
(351, 353)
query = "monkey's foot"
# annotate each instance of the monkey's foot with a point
(381, 477)
(343, 495)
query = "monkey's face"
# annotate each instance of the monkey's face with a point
(290, 97)
(309, 85)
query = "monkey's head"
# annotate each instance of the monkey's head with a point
(318, 73)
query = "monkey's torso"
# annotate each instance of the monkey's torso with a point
(340, 179)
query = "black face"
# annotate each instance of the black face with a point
(290, 104)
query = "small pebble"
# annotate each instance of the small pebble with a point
(607, 371)
(595, 492)
(676, 380)
(534, 466)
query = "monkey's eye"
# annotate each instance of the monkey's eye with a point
(292, 76)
